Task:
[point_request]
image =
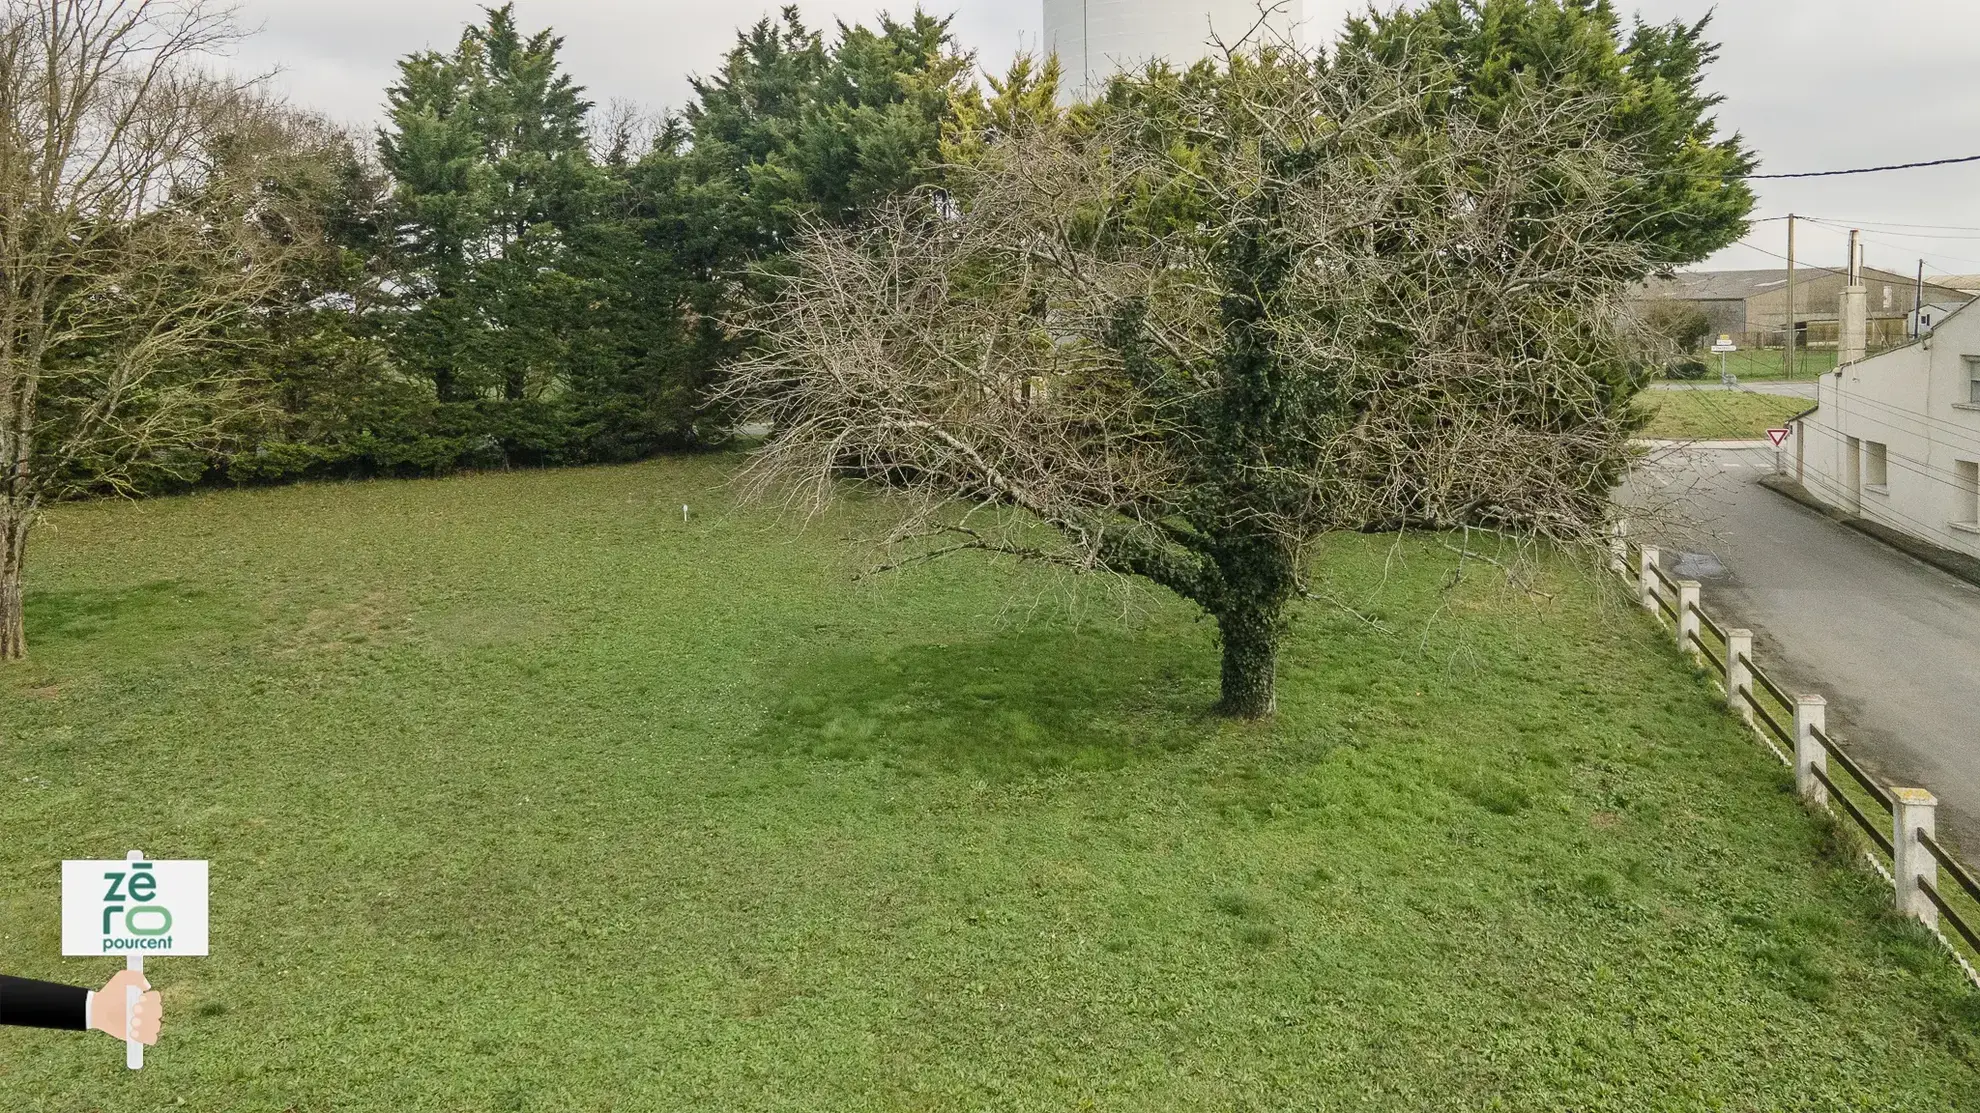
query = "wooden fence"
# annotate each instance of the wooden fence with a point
(1905, 848)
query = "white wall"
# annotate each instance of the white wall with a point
(1916, 402)
(1096, 39)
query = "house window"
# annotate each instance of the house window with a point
(1966, 476)
(1973, 380)
(1876, 465)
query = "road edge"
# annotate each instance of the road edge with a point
(1945, 560)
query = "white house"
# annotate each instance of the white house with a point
(1895, 438)
(1927, 317)
(1096, 39)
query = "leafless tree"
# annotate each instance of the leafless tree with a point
(133, 234)
(1186, 334)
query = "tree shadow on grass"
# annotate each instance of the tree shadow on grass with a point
(1025, 703)
(86, 613)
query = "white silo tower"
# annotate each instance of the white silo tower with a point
(1096, 39)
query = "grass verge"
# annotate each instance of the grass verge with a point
(523, 794)
(1770, 364)
(1716, 415)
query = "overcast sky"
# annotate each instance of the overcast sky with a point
(1813, 84)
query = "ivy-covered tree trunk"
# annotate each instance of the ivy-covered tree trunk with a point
(1323, 301)
(1251, 661)
(1255, 581)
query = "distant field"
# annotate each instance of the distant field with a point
(1716, 415)
(1769, 364)
(521, 793)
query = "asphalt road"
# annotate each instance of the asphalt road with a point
(1894, 644)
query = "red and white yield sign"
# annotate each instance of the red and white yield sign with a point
(1778, 435)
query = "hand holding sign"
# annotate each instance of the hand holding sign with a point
(107, 1005)
(137, 909)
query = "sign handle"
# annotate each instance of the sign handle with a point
(133, 1050)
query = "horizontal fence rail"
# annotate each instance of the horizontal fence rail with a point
(1877, 836)
(1773, 689)
(1869, 783)
(1706, 650)
(1784, 734)
(1663, 578)
(1965, 881)
(1959, 924)
(1718, 631)
(1908, 843)
(1954, 867)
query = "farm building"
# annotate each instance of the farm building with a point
(1752, 305)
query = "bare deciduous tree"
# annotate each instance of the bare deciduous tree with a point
(133, 233)
(1183, 336)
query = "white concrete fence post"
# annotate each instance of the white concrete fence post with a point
(1646, 565)
(1688, 624)
(1810, 715)
(1619, 548)
(1914, 810)
(1739, 678)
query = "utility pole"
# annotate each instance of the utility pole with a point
(1787, 346)
(1918, 303)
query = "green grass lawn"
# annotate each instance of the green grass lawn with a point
(1769, 364)
(1716, 415)
(523, 794)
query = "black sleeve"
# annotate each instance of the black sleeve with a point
(31, 1004)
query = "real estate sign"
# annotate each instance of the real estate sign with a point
(133, 907)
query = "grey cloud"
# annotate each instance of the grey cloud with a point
(1813, 84)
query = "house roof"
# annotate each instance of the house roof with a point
(1740, 285)
(1714, 285)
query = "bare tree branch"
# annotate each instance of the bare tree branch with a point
(134, 235)
(1191, 331)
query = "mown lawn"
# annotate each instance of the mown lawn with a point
(523, 794)
(1716, 415)
(1769, 364)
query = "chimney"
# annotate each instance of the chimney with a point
(1853, 315)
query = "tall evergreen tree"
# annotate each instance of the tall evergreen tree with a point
(487, 146)
(793, 129)
(1691, 199)
(545, 302)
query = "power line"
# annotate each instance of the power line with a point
(1802, 264)
(1886, 225)
(1897, 463)
(1940, 236)
(1798, 263)
(1843, 226)
(1936, 429)
(1900, 247)
(1915, 250)
(1857, 170)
